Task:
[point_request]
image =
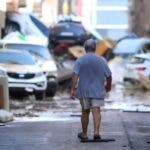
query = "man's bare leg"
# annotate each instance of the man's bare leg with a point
(85, 121)
(96, 119)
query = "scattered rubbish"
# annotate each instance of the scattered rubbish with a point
(145, 82)
(76, 51)
(5, 116)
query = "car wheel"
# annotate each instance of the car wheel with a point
(50, 92)
(39, 96)
(11, 27)
(51, 88)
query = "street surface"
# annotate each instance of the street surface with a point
(53, 124)
(130, 130)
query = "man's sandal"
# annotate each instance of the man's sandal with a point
(82, 137)
(96, 137)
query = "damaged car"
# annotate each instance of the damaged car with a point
(43, 58)
(69, 32)
(25, 23)
(137, 71)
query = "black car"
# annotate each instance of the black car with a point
(67, 33)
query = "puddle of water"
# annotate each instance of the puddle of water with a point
(48, 116)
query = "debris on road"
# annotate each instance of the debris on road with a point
(5, 116)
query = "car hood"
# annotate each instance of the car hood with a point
(47, 65)
(21, 68)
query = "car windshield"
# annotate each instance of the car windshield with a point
(37, 50)
(68, 28)
(16, 58)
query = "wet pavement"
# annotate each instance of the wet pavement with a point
(61, 106)
(135, 100)
(54, 122)
(130, 130)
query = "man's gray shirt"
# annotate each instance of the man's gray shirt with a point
(92, 71)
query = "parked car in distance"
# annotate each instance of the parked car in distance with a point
(43, 58)
(24, 75)
(26, 23)
(138, 69)
(130, 47)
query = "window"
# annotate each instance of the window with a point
(75, 28)
(112, 2)
(113, 33)
(112, 17)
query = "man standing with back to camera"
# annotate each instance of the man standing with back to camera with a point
(92, 77)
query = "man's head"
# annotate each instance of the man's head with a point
(90, 45)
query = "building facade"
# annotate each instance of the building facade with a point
(110, 18)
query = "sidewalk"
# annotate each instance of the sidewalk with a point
(62, 135)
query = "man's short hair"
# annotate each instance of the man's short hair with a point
(90, 45)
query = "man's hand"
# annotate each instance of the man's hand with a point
(73, 94)
(74, 83)
(108, 88)
(108, 84)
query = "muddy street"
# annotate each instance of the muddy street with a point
(61, 106)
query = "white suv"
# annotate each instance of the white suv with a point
(23, 73)
(43, 58)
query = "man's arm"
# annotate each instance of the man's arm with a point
(74, 83)
(108, 84)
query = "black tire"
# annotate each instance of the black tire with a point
(17, 95)
(51, 88)
(11, 27)
(50, 92)
(39, 96)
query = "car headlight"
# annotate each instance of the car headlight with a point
(2, 72)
